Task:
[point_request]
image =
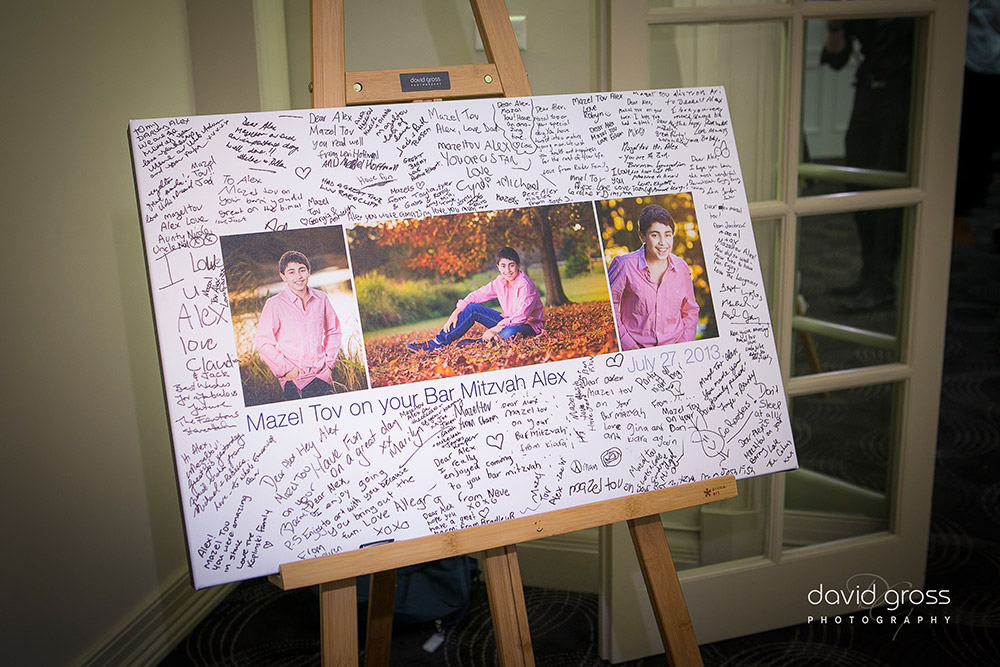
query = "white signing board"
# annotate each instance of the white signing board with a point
(542, 424)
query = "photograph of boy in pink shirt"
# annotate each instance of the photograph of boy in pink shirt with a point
(294, 313)
(298, 334)
(520, 308)
(651, 288)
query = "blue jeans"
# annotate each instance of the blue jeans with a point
(488, 317)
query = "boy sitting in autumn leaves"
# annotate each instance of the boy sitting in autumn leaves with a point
(520, 306)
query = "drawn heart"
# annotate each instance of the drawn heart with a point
(495, 440)
(485, 512)
(303, 172)
(615, 361)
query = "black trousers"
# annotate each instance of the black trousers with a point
(315, 388)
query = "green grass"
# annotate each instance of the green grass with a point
(260, 386)
(586, 287)
(384, 302)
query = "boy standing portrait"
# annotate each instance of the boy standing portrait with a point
(651, 288)
(298, 334)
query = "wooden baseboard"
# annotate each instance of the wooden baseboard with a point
(157, 626)
(804, 529)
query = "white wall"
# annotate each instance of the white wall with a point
(93, 524)
(93, 534)
(223, 55)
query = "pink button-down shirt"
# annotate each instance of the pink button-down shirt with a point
(290, 335)
(520, 302)
(649, 314)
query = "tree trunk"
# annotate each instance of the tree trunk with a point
(554, 294)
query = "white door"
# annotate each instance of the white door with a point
(859, 329)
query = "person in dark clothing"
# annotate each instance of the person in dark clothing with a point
(980, 135)
(877, 138)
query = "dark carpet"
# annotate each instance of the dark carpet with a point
(259, 625)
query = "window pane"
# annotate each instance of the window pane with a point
(662, 4)
(765, 235)
(748, 60)
(843, 440)
(857, 104)
(721, 531)
(847, 295)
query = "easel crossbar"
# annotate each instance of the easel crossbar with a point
(423, 549)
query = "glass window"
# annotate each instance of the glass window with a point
(666, 4)
(748, 60)
(766, 236)
(843, 441)
(857, 102)
(735, 528)
(847, 295)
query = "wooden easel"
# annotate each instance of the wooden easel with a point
(505, 76)
(333, 86)
(338, 596)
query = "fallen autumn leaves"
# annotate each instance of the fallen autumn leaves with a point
(571, 331)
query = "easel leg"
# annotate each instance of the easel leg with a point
(664, 590)
(338, 616)
(510, 615)
(381, 599)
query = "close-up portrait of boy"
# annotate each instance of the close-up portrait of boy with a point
(651, 288)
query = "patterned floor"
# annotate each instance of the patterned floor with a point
(258, 625)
